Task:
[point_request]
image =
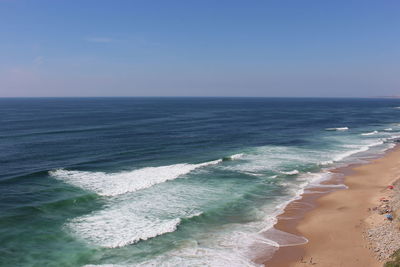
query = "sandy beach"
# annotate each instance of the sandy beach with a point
(335, 222)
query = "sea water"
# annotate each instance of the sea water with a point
(169, 181)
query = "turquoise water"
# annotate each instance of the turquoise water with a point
(169, 181)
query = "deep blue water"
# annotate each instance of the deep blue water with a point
(178, 181)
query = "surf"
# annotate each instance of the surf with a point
(337, 129)
(114, 184)
(370, 133)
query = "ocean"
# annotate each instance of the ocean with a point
(169, 181)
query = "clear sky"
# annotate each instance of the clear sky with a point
(199, 48)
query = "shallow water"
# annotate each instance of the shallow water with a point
(168, 181)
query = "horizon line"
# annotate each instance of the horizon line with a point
(375, 97)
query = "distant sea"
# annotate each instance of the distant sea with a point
(168, 181)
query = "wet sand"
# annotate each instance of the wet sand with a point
(333, 222)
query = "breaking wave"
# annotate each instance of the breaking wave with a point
(294, 172)
(115, 232)
(337, 129)
(357, 149)
(113, 184)
(370, 133)
(120, 226)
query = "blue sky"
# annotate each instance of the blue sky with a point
(199, 48)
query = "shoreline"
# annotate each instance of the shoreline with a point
(334, 220)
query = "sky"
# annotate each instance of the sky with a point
(283, 48)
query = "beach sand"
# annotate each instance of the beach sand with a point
(334, 222)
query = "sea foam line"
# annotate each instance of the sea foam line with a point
(358, 149)
(102, 230)
(121, 226)
(370, 133)
(293, 172)
(113, 184)
(337, 129)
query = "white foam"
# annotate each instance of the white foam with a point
(118, 229)
(393, 137)
(254, 174)
(113, 184)
(370, 133)
(237, 156)
(319, 177)
(196, 255)
(358, 149)
(122, 225)
(294, 172)
(317, 180)
(219, 248)
(337, 129)
(276, 158)
(231, 245)
(326, 162)
(388, 129)
(129, 218)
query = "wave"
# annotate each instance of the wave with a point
(114, 232)
(326, 162)
(233, 157)
(120, 226)
(294, 172)
(254, 174)
(358, 149)
(370, 133)
(388, 129)
(113, 184)
(337, 129)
